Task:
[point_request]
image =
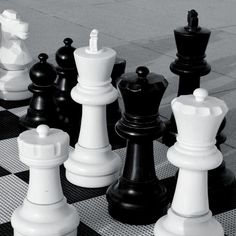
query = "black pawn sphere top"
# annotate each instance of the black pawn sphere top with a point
(42, 108)
(68, 110)
(138, 197)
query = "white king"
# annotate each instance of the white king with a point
(92, 163)
(198, 118)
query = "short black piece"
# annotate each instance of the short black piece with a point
(190, 65)
(42, 107)
(69, 111)
(138, 197)
(113, 109)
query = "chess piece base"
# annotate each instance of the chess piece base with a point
(137, 203)
(59, 219)
(176, 225)
(14, 85)
(92, 168)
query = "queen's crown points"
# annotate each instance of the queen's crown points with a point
(199, 104)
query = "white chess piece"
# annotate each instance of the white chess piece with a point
(14, 57)
(45, 211)
(93, 163)
(198, 118)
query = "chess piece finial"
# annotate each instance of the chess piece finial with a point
(14, 57)
(45, 210)
(192, 19)
(43, 131)
(93, 163)
(138, 197)
(93, 41)
(200, 94)
(198, 118)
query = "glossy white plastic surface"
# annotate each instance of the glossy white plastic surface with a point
(14, 57)
(198, 118)
(93, 163)
(45, 211)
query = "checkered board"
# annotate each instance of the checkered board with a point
(90, 203)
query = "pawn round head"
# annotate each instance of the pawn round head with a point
(43, 73)
(198, 118)
(94, 64)
(65, 55)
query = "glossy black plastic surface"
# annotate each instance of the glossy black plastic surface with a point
(138, 197)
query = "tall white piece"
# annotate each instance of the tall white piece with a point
(198, 118)
(45, 211)
(14, 57)
(93, 163)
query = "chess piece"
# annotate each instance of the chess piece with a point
(44, 211)
(190, 64)
(42, 108)
(113, 109)
(14, 57)
(69, 111)
(92, 163)
(138, 197)
(198, 118)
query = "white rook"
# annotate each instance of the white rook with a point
(93, 163)
(198, 118)
(45, 211)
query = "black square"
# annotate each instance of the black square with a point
(9, 127)
(4, 172)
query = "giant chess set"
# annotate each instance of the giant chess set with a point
(84, 151)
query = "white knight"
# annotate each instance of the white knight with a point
(14, 57)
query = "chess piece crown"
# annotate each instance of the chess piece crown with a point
(101, 60)
(137, 90)
(191, 42)
(198, 118)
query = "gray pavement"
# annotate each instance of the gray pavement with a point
(141, 31)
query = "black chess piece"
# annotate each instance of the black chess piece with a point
(138, 197)
(42, 107)
(190, 65)
(113, 109)
(69, 111)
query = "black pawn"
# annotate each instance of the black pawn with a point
(113, 109)
(190, 64)
(69, 111)
(138, 197)
(42, 107)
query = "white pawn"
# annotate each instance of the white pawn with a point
(14, 57)
(93, 163)
(198, 118)
(45, 211)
